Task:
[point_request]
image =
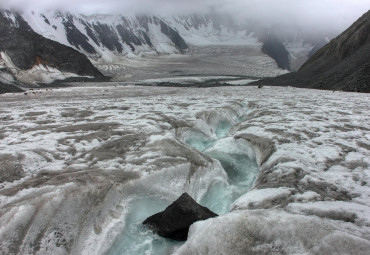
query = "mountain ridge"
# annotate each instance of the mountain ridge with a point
(343, 64)
(104, 37)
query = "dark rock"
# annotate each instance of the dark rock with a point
(175, 220)
(128, 36)
(108, 36)
(75, 37)
(274, 48)
(9, 88)
(45, 19)
(27, 48)
(342, 64)
(19, 22)
(174, 36)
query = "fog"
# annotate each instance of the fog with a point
(334, 15)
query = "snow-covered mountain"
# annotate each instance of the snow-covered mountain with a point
(106, 37)
(28, 58)
(98, 36)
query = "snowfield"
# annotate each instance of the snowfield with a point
(287, 169)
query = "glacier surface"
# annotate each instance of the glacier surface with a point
(287, 169)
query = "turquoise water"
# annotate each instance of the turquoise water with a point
(241, 171)
(138, 239)
(236, 159)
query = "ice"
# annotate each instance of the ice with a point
(241, 168)
(271, 232)
(260, 198)
(241, 171)
(91, 161)
(236, 157)
(240, 82)
(338, 210)
(197, 140)
(137, 238)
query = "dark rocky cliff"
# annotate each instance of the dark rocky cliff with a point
(26, 49)
(343, 64)
(274, 48)
(9, 88)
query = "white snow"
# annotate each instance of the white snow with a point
(240, 82)
(208, 34)
(6, 78)
(55, 31)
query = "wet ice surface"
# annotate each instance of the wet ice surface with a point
(77, 162)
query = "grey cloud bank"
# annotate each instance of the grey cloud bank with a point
(307, 14)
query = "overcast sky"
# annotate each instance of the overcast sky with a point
(336, 13)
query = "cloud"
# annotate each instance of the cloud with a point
(333, 14)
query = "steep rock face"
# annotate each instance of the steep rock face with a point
(7, 82)
(343, 64)
(276, 50)
(74, 36)
(27, 49)
(174, 36)
(9, 88)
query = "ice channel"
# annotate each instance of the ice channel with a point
(236, 156)
(213, 138)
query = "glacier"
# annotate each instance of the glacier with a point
(83, 166)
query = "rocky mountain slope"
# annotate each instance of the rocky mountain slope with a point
(32, 58)
(108, 38)
(8, 82)
(101, 36)
(9, 88)
(343, 64)
(273, 47)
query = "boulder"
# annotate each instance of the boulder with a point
(175, 220)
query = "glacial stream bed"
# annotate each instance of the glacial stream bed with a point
(287, 169)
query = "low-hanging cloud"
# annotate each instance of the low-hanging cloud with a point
(333, 14)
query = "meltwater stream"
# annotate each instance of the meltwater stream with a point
(238, 161)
